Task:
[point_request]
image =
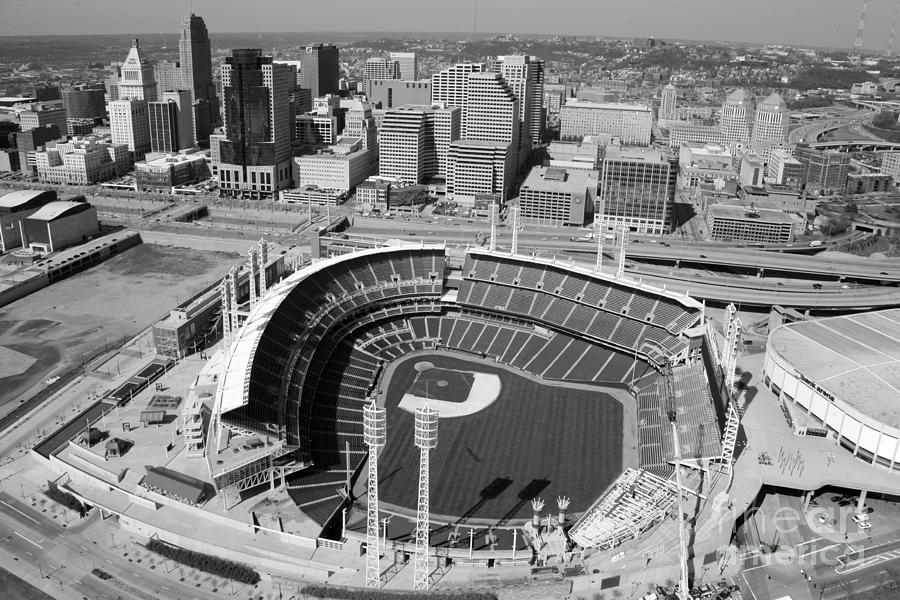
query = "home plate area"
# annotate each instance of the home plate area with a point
(452, 393)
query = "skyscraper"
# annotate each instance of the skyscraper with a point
(255, 154)
(168, 76)
(320, 69)
(668, 99)
(414, 141)
(449, 86)
(406, 64)
(171, 122)
(491, 110)
(136, 81)
(737, 118)
(129, 124)
(196, 75)
(771, 121)
(525, 77)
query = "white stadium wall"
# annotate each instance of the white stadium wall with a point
(860, 434)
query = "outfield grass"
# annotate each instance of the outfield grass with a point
(535, 439)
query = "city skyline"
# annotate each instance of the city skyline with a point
(834, 26)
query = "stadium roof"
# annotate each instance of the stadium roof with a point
(55, 210)
(854, 357)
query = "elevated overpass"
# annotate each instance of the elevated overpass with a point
(826, 266)
(864, 145)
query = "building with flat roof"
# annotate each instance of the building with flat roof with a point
(706, 164)
(479, 167)
(171, 122)
(784, 169)
(163, 173)
(728, 223)
(694, 133)
(890, 165)
(736, 119)
(42, 116)
(843, 372)
(632, 123)
(586, 154)
(557, 196)
(129, 122)
(869, 183)
(407, 65)
(82, 161)
(58, 225)
(15, 206)
(637, 190)
(373, 196)
(379, 67)
(825, 171)
(414, 142)
(390, 93)
(752, 170)
(334, 168)
(320, 69)
(450, 85)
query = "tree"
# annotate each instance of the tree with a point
(886, 119)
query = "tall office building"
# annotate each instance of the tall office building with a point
(525, 77)
(449, 86)
(255, 156)
(737, 118)
(491, 110)
(85, 101)
(771, 121)
(379, 68)
(632, 123)
(167, 74)
(129, 124)
(197, 77)
(171, 122)
(360, 124)
(824, 171)
(320, 69)
(414, 141)
(667, 102)
(407, 66)
(637, 189)
(136, 81)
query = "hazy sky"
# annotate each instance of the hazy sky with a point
(800, 22)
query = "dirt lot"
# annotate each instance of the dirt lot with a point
(61, 324)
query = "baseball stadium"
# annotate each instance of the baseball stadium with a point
(548, 379)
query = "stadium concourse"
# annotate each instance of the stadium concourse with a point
(336, 335)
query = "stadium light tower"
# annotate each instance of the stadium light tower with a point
(251, 254)
(623, 243)
(493, 216)
(263, 257)
(374, 434)
(598, 232)
(514, 224)
(683, 591)
(426, 438)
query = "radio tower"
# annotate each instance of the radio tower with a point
(426, 438)
(374, 433)
(857, 43)
(890, 48)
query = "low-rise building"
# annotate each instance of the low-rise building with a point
(750, 224)
(58, 225)
(784, 169)
(82, 161)
(41, 116)
(16, 206)
(869, 183)
(313, 194)
(557, 196)
(373, 196)
(165, 172)
(630, 122)
(339, 167)
(709, 164)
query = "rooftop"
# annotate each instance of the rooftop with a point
(854, 357)
(54, 210)
(607, 106)
(635, 154)
(19, 197)
(727, 211)
(557, 179)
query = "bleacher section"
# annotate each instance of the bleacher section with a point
(634, 503)
(629, 318)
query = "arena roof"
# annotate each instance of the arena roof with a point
(854, 357)
(55, 210)
(18, 198)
